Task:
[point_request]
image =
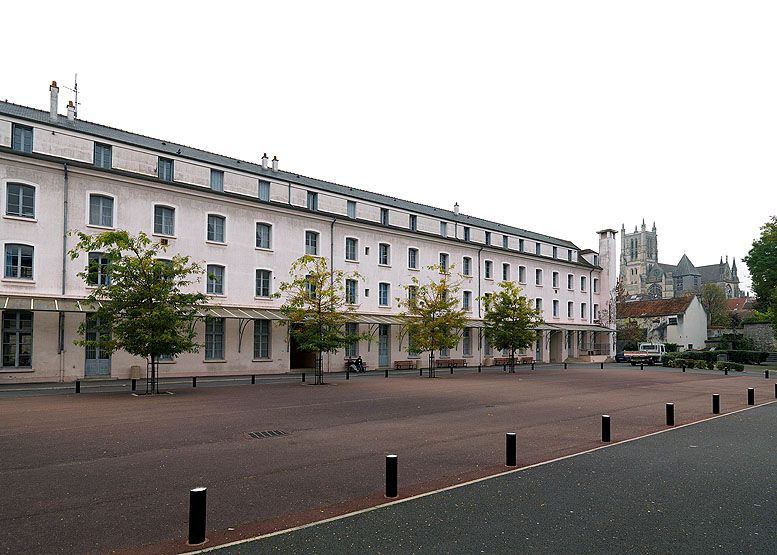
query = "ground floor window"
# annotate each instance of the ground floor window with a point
(17, 339)
(261, 339)
(445, 352)
(466, 342)
(352, 349)
(487, 350)
(214, 338)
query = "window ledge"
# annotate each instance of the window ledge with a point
(19, 370)
(105, 227)
(216, 295)
(385, 265)
(264, 249)
(414, 269)
(261, 360)
(351, 261)
(216, 243)
(163, 236)
(215, 361)
(20, 218)
(19, 281)
(263, 298)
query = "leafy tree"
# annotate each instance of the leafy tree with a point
(142, 305)
(432, 316)
(629, 331)
(510, 321)
(762, 263)
(316, 308)
(713, 299)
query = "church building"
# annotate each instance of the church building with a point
(644, 276)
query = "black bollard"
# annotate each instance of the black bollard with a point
(194, 381)
(605, 427)
(451, 370)
(253, 379)
(511, 452)
(766, 374)
(347, 373)
(683, 367)
(134, 384)
(715, 403)
(532, 366)
(641, 366)
(391, 475)
(751, 396)
(601, 366)
(386, 375)
(479, 370)
(725, 371)
(565, 366)
(504, 368)
(775, 391)
(303, 377)
(670, 414)
(78, 386)
(197, 501)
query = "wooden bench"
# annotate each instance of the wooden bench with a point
(519, 359)
(448, 362)
(404, 364)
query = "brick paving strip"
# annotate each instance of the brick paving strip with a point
(105, 472)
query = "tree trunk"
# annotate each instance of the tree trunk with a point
(512, 361)
(154, 378)
(431, 364)
(320, 369)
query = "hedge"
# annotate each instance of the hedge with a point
(747, 357)
(729, 366)
(742, 357)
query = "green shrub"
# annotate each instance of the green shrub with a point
(729, 366)
(670, 360)
(747, 357)
(672, 347)
(709, 356)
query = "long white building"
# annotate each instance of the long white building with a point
(248, 222)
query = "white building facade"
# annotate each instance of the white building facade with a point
(248, 223)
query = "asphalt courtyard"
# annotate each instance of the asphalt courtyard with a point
(108, 471)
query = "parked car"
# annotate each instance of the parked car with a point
(619, 357)
(649, 353)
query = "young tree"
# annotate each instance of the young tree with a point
(139, 299)
(432, 316)
(713, 299)
(762, 263)
(510, 321)
(316, 308)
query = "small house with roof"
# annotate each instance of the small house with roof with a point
(680, 320)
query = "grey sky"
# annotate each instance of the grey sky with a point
(559, 117)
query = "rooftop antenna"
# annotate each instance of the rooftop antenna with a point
(75, 90)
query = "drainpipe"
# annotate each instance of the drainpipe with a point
(61, 315)
(289, 193)
(479, 301)
(64, 229)
(591, 297)
(332, 251)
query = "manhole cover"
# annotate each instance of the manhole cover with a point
(269, 433)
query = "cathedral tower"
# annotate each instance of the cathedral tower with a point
(639, 254)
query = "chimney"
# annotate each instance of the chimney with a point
(264, 161)
(275, 163)
(456, 208)
(71, 111)
(54, 101)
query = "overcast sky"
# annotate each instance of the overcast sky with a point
(558, 117)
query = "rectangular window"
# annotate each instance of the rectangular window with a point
(164, 220)
(263, 236)
(412, 222)
(466, 266)
(165, 169)
(412, 293)
(466, 342)
(97, 271)
(214, 338)
(215, 284)
(352, 348)
(596, 285)
(488, 237)
(443, 229)
(412, 258)
(556, 278)
(555, 308)
(555, 252)
(311, 243)
(570, 282)
(505, 242)
(100, 210)
(18, 261)
(22, 138)
(521, 245)
(583, 310)
(466, 300)
(538, 248)
(383, 294)
(351, 249)
(217, 180)
(489, 269)
(569, 255)
(351, 291)
(487, 349)
(570, 309)
(263, 280)
(262, 338)
(505, 272)
(312, 200)
(20, 200)
(466, 233)
(384, 252)
(351, 209)
(216, 225)
(538, 276)
(443, 262)
(17, 339)
(596, 313)
(102, 156)
(445, 352)
(384, 216)
(538, 305)
(264, 190)
(582, 283)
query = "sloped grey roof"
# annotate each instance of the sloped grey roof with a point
(668, 268)
(182, 151)
(715, 273)
(685, 268)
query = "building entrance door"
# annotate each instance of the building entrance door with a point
(384, 345)
(98, 362)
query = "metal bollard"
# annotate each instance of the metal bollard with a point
(641, 366)
(565, 366)
(601, 366)
(303, 377)
(194, 381)
(347, 373)
(715, 403)
(504, 368)
(253, 379)
(775, 391)
(511, 450)
(532, 366)
(725, 371)
(479, 370)
(766, 374)
(420, 372)
(386, 375)
(391, 475)
(683, 367)
(605, 427)
(451, 370)
(134, 384)
(670, 414)
(751, 396)
(197, 502)
(78, 386)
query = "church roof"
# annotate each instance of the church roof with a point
(667, 268)
(658, 307)
(685, 268)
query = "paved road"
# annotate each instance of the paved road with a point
(703, 488)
